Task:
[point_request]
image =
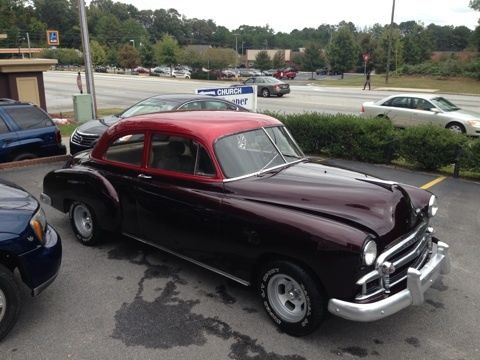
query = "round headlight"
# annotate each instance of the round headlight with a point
(369, 252)
(432, 206)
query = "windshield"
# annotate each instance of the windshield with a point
(255, 151)
(444, 104)
(149, 106)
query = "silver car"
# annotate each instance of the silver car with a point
(407, 110)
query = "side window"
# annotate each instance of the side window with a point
(3, 127)
(399, 102)
(218, 105)
(127, 149)
(193, 105)
(249, 81)
(176, 153)
(29, 117)
(421, 104)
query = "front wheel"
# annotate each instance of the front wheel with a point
(9, 301)
(456, 128)
(84, 224)
(292, 297)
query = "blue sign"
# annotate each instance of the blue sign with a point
(243, 95)
(52, 37)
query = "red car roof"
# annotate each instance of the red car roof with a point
(207, 126)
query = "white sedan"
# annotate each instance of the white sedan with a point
(407, 110)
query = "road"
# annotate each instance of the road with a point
(124, 90)
(125, 300)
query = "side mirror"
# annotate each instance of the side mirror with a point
(435, 110)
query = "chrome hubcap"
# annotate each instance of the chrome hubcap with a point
(83, 220)
(456, 129)
(3, 305)
(287, 298)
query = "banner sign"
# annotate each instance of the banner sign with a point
(245, 96)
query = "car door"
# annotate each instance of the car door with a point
(421, 113)
(6, 138)
(122, 166)
(179, 198)
(398, 111)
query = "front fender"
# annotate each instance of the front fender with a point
(64, 186)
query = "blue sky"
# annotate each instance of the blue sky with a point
(286, 16)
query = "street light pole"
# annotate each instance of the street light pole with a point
(236, 50)
(390, 43)
(87, 56)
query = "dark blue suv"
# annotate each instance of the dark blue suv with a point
(27, 132)
(27, 243)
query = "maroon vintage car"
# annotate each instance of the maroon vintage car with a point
(234, 193)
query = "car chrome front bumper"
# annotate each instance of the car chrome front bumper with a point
(418, 281)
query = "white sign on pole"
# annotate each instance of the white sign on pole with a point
(245, 96)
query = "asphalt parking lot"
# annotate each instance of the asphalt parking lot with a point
(125, 300)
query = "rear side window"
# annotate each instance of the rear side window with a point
(29, 117)
(3, 127)
(127, 149)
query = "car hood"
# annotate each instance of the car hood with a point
(97, 127)
(462, 115)
(381, 208)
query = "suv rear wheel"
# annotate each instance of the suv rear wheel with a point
(24, 156)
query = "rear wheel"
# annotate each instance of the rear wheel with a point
(84, 224)
(279, 95)
(9, 301)
(265, 92)
(456, 128)
(24, 156)
(292, 297)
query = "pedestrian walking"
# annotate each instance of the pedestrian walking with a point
(79, 83)
(367, 81)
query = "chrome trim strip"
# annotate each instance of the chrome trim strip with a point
(384, 256)
(412, 254)
(43, 286)
(208, 267)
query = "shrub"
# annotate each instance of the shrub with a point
(470, 159)
(430, 146)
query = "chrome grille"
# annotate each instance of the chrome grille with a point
(84, 139)
(411, 251)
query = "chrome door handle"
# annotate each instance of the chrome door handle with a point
(143, 176)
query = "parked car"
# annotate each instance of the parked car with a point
(405, 110)
(234, 193)
(101, 69)
(88, 133)
(27, 243)
(287, 73)
(182, 74)
(267, 85)
(269, 72)
(141, 70)
(27, 132)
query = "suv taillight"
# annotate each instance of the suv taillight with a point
(58, 136)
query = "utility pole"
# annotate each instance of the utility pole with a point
(28, 42)
(236, 50)
(390, 43)
(86, 55)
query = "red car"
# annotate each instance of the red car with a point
(288, 73)
(232, 192)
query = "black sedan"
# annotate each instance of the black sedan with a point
(87, 134)
(267, 85)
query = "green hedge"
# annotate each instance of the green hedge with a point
(374, 140)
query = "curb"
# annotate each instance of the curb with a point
(24, 163)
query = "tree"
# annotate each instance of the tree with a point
(99, 56)
(475, 4)
(217, 58)
(262, 61)
(416, 43)
(167, 51)
(278, 61)
(128, 57)
(343, 50)
(147, 55)
(312, 58)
